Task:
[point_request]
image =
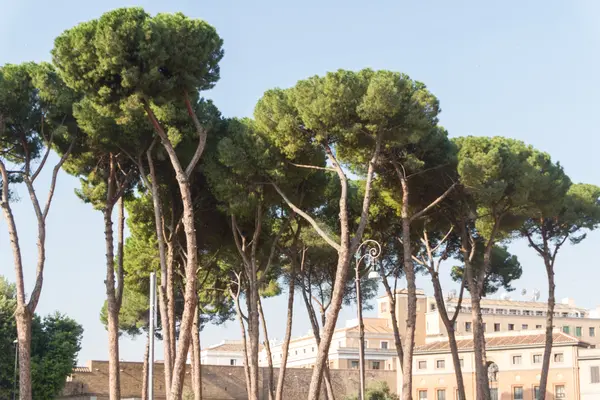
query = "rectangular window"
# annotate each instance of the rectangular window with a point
(496, 327)
(578, 331)
(304, 351)
(366, 344)
(524, 327)
(313, 349)
(441, 394)
(592, 331)
(559, 392)
(558, 358)
(511, 327)
(422, 364)
(513, 312)
(422, 394)
(232, 361)
(537, 358)
(539, 313)
(384, 345)
(440, 364)
(566, 329)
(384, 306)
(538, 327)
(518, 393)
(536, 393)
(375, 364)
(484, 327)
(467, 327)
(354, 364)
(595, 374)
(462, 362)
(516, 360)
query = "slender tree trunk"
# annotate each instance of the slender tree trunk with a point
(329, 328)
(316, 333)
(187, 319)
(240, 317)
(145, 369)
(397, 340)
(439, 299)
(411, 317)
(171, 294)
(253, 335)
(549, 328)
(196, 363)
(114, 387)
(288, 336)
(267, 349)
(23, 318)
(163, 298)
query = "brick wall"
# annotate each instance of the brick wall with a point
(218, 382)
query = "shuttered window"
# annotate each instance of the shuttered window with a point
(595, 374)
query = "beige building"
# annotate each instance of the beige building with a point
(380, 352)
(498, 315)
(515, 363)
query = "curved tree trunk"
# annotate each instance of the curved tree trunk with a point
(267, 349)
(549, 329)
(288, 335)
(187, 319)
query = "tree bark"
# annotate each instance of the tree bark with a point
(449, 324)
(392, 298)
(240, 315)
(411, 286)
(145, 370)
(114, 386)
(196, 362)
(288, 334)
(163, 297)
(187, 318)
(316, 333)
(549, 328)
(267, 349)
(253, 336)
(23, 318)
(171, 294)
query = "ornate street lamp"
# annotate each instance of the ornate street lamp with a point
(373, 250)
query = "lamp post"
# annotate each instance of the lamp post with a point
(16, 343)
(373, 250)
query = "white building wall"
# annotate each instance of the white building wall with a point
(588, 358)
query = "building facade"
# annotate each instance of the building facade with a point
(514, 360)
(228, 352)
(380, 351)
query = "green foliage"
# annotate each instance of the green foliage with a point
(504, 177)
(127, 55)
(347, 110)
(378, 390)
(55, 342)
(505, 269)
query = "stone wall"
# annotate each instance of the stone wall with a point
(218, 382)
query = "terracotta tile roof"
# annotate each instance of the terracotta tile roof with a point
(507, 303)
(230, 347)
(499, 342)
(371, 329)
(81, 369)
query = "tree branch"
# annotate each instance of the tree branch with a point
(312, 167)
(307, 217)
(433, 203)
(202, 134)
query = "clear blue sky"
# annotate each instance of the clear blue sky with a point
(528, 70)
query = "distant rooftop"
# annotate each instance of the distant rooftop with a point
(501, 341)
(229, 346)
